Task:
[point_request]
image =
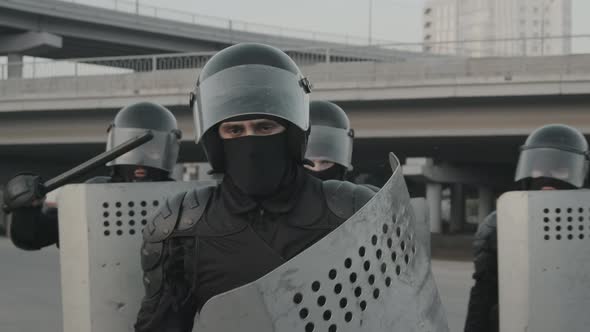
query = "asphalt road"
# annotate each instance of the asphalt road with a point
(30, 299)
(453, 279)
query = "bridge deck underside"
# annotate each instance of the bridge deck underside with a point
(111, 33)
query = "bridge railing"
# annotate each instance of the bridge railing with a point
(324, 66)
(41, 68)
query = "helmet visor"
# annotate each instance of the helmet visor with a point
(330, 144)
(562, 165)
(161, 152)
(250, 90)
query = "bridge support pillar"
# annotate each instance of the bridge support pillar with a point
(434, 199)
(14, 66)
(457, 208)
(30, 43)
(484, 207)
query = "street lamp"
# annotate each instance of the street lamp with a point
(370, 22)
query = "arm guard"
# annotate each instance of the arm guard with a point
(168, 259)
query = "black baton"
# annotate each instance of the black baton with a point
(96, 162)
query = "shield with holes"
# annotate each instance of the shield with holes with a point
(543, 265)
(370, 274)
(100, 241)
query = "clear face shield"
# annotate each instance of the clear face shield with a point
(250, 90)
(330, 144)
(570, 167)
(161, 152)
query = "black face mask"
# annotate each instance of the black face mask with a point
(257, 165)
(336, 172)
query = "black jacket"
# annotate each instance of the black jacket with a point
(482, 314)
(208, 241)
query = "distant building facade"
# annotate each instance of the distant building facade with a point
(480, 28)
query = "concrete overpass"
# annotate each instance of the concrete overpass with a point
(58, 29)
(409, 102)
(468, 116)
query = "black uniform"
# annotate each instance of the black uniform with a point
(267, 208)
(227, 240)
(483, 311)
(32, 227)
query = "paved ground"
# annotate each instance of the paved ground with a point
(453, 279)
(30, 289)
(30, 299)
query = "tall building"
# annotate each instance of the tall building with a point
(440, 27)
(497, 27)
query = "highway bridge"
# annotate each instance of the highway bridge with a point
(59, 30)
(465, 118)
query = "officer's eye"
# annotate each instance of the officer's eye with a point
(231, 130)
(235, 130)
(268, 128)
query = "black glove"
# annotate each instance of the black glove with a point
(23, 190)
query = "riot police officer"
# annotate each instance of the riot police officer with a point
(251, 111)
(330, 141)
(34, 226)
(554, 157)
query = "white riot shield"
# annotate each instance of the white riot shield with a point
(544, 270)
(370, 274)
(100, 239)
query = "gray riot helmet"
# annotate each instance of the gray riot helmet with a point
(556, 152)
(245, 81)
(161, 152)
(331, 137)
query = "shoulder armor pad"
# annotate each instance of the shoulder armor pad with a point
(345, 198)
(163, 223)
(193, 206)
(151, 253)
(99, 179)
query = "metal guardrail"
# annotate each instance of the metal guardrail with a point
(37, 68)
(343, 68)
(454, 71)
(144, 63)
(137, 8)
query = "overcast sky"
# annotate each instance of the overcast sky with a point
(396, 20)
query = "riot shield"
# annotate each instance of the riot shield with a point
(100, 241)
(370, 274)
(543, 252)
